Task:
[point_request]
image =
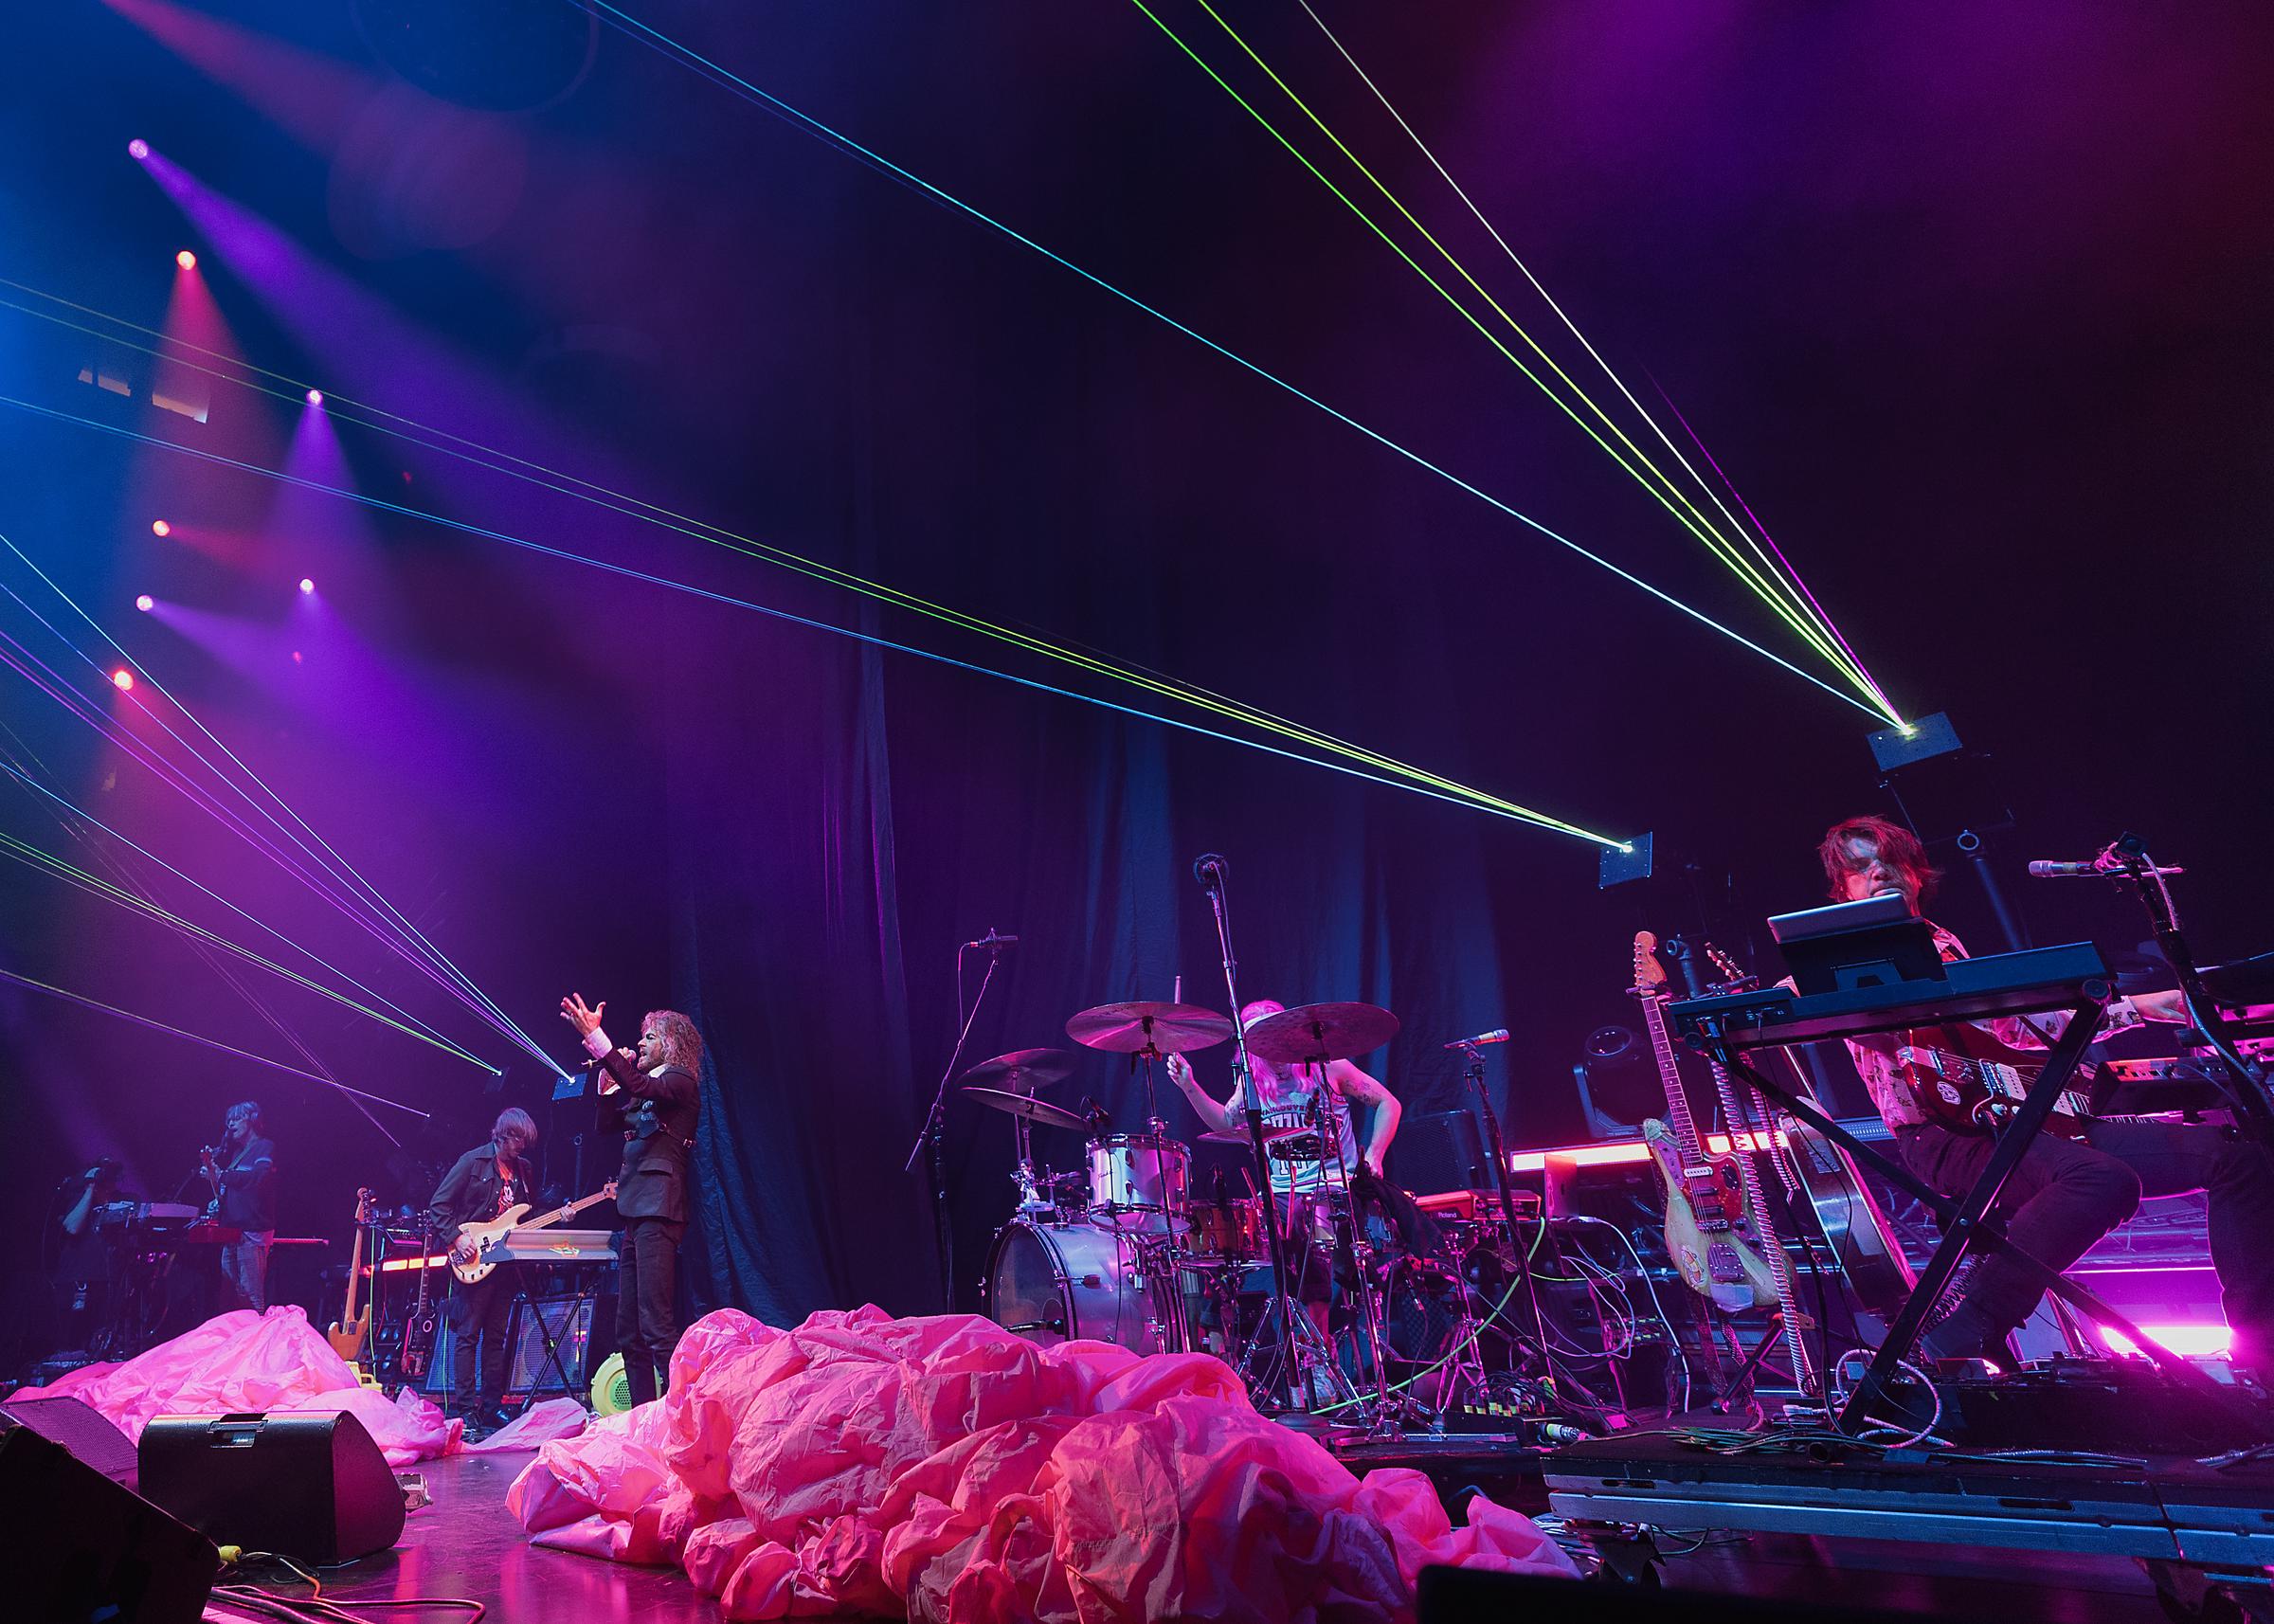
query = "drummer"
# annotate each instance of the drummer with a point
(1287, 1094)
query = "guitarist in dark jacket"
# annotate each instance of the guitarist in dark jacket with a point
(658, 1084)
(482, 1185)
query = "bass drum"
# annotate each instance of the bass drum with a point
(1054, 1283)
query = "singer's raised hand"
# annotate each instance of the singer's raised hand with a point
(586, 1020)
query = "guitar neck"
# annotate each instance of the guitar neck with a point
(1669, 1075)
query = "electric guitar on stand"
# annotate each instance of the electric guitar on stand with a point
(425, 1324)
(1739, 1113)
(1705, 1199)
(348, 1331)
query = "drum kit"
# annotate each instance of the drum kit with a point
(1125, 1250)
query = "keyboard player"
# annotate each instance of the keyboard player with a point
(2065, 1193)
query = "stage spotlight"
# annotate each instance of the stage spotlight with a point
(186, 259)
(137, 150)
(146, 603)
(307, 585)
(316, 397)
(122, 680)
(159, 527)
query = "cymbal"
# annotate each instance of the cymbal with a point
(1024, 1071)
(1130, 1028)
(1028, 1107)
(1321, 1032)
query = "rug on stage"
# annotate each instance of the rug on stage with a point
(945, 1469)
(277, 1361)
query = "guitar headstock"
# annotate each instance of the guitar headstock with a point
(366, 1205)
(1726, 968)
(1650, 975)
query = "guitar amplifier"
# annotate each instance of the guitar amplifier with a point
(1442, 1151)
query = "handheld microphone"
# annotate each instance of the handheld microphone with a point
(1498, 1034)
(992, 940)
(2043, 870)
(1209, 868)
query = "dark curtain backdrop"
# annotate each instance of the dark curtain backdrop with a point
(841, 819)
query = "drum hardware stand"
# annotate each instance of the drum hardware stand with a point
(1327, 1124)
(934, 1132)
(1473, 1072)
(1210, 870)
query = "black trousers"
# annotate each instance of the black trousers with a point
(647, 1284)
(479, 1316)
(2065, 1196)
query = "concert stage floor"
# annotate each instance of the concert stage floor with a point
(466, 1545)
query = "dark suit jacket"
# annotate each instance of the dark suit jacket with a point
(468, 1193)
(248, 1187)
(660, 1117)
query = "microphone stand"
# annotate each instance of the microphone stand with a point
(1210, 876)
(2249, 1093)
(934, 1131)
(1476, 1073)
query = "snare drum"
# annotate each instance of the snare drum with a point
(1054, 1283)
(1140, 1174)
(1229, 1231)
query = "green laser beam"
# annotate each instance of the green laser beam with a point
(83, 999)
(587, 491)
(704, 67)
(503, 1023)
(1795, 620)
(33, 856)
(1573, 328)
(1522, 815)
(91, 820)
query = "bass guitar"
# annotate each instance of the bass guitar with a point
(347, 1332)
(473, 1255)
(1705, 1199)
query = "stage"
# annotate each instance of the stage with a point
(466, 1543)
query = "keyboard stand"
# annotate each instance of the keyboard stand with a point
(1719, 1028)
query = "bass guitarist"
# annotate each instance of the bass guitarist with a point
(482, 1184)
(2077, 1180)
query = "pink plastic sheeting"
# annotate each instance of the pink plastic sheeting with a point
(945, 1469)
(243, 1361)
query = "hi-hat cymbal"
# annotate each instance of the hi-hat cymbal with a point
(1026, 1105)
(1321, 1032)
(1023, 1071)
(1131, 1028)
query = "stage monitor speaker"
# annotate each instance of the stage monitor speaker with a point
(80, 1546)
(81, 1429)
(1460, 1596)
(1443, 1151)
(312, 1487)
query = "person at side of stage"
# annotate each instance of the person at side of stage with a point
(2066, 1194)
(659, 1080)
(484, 1183)
(244, 1177)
